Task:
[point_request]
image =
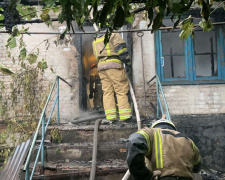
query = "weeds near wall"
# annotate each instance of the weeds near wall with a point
(56, 135)
(21, 104)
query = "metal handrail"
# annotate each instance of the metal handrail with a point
(159, 91)
(44, 129)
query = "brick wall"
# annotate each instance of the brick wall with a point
(61, 59)
(195, 99)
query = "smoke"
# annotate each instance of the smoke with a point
(88, 115)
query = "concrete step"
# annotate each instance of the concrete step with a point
(83, 151)
(84, 132)
(76, 149)
(110, 169)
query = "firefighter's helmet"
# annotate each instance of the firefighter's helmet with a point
(163, 122)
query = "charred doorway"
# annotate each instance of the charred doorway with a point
(92, 79)
(90, 88)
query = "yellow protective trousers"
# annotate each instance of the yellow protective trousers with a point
(115, 81)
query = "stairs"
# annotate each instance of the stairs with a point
(71, 159)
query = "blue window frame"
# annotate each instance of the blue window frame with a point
(196, 60)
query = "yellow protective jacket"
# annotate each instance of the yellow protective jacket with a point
(112, 54)
(169, 151)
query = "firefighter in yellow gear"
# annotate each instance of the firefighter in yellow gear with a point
(170, 152)
(113, 76)
(95, 87)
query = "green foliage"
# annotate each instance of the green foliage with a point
(5, 70)
(113, 14)
(11, 42)
(46, 17)
(26, 12)
(206, 25)
(58, 150)
(32, 58)
(56, 135)
(23, 53)
(20, 107)
(42, 65)
(24, 56)
(5, 152)
(1, 17)
(187, 28)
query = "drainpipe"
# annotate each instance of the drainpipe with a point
(140, 35)
(94, 154)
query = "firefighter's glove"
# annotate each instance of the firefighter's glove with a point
(129, 69)
(90, 96)
(156, 174)
(125, 58)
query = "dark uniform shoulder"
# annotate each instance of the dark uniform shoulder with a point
(173, 133)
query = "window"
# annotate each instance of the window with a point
(192, 61)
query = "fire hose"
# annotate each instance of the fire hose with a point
(135, 105)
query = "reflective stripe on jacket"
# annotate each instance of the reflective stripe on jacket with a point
(108, 58)
(168, 151)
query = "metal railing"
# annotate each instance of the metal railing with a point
(161, 100)
(44, 129)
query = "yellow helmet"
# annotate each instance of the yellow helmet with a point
(163, 121)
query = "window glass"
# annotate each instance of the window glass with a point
(173, 54)
(205, 54)
(204, 65)
(174, 67)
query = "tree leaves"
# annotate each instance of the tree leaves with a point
(1, 17)
(119, 17)
(23, 54)
(150, 16)
(157, 22)
(26, 12)
(177, 21)
(187, 28)
(46, 17)
(5, 70)
(206, 25)
(63, 34)
(24, 30)
(205, 10)
(32, 58)
(15, 32)
(42, 65)
(11, 42)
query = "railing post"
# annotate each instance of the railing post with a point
(157, 91)
(27, 172)
(43, 146)
(58, 100)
